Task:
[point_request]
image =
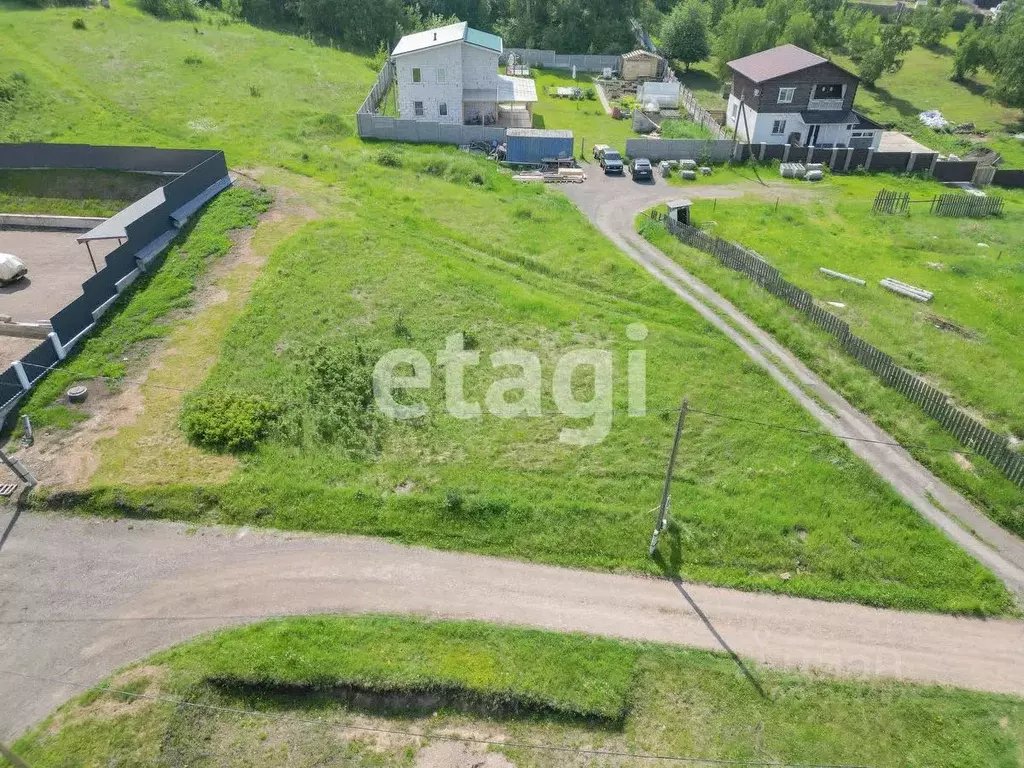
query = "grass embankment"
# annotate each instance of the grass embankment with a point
(586, 118)
(753, 509)
(142, 312)
(923, 83)
(131, 79)
(296, 680)
(72, 193)
(978, 360)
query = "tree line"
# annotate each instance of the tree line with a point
(687, 31)
(691, 31)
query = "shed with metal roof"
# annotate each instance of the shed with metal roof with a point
(534, 145)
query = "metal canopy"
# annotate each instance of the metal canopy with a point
(114, 227)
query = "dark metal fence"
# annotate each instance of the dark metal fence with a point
(973, 435)
(195, 171)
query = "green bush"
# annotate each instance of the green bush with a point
(228, 421)
(174, 10)
(389, 158)
(12, 86)
(334, 401)
(78, 23)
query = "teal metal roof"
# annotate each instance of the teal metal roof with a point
(483, 39)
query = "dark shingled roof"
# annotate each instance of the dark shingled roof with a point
(775, 62)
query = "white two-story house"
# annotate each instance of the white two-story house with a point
(450, 75)
(787, 95)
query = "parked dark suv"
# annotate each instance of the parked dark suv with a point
(611, 161)
(640, 168)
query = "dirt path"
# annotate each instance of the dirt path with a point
(80, 597)
(612, 204)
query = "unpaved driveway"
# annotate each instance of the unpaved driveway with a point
(80, 597)
(612, 204)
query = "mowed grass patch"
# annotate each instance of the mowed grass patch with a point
(511, 266)
(662, 700)
(586, 118)
(977, 362)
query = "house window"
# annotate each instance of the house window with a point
(417, 107)
(440, 74)
(443, 109)
(778, 127)
(849, 127)
(786, 95)
(828, 91)
(733, 110)
(416, 74)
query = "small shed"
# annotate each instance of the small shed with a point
(639, 65)
(534, 145)
(679, 210)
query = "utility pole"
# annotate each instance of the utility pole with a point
(662, 520)
(16, 761)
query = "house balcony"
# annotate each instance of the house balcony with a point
(824, 105)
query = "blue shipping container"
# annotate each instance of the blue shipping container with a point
(532, 145)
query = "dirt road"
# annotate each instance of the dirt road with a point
(612, 204)
(81, 597)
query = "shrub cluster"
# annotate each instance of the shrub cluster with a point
(174, 10)
(13, 85)
(333, 400)
(228, 421)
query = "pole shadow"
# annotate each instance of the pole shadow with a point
(671, 570)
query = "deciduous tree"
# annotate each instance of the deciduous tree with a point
(684, 35)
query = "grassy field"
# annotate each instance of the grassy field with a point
(923, 83)
(507, 265)
(128, 78)
(494, 266)
(586, 118)
(277, 694)
(976, 359)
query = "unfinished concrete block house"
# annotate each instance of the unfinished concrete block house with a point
(450, 75)
(787, 95)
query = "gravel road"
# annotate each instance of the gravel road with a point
(81, 597)
(612, 203)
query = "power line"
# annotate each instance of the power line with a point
(436, 736)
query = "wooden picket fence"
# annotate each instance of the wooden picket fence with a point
(967, 206)
(888, 201)
(974, 436)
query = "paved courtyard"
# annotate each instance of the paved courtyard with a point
(57, 267)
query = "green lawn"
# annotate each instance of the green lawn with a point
(977, 288)
(387, 266)
(274, 694)
(586, 118)
(702, 80)
(923, 83)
